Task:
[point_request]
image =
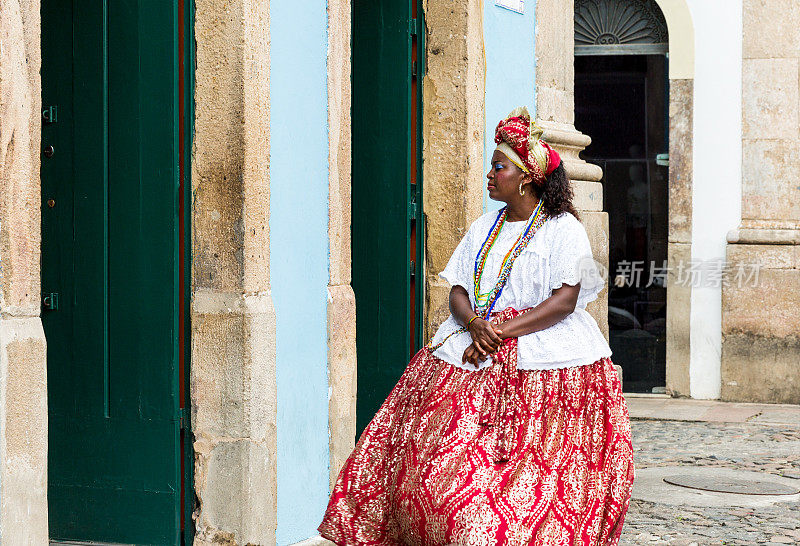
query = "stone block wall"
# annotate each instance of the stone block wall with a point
(23, 350)
(452, 128)
(761, 324)
(233, 389)
(679, 243)
(342, 365)
(760, 348)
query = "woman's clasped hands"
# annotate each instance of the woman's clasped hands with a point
(486, 341)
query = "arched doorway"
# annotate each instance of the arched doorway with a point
(622, 102)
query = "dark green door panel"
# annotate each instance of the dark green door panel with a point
(381, 195)
(110, 250)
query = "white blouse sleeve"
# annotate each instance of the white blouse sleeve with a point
(459, 269)
(571, 261)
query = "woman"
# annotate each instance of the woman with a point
(510, 427)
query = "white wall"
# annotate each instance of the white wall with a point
(717, 185)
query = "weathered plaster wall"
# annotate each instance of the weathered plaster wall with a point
(453, 129)
(760, 343)
(23, 367)
(341, 299)
(233, 392)
(716, 191)
(299, 221)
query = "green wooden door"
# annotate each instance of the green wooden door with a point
(386, 193)
(110, 253)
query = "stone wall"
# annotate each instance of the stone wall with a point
(761, 323)
(23, 367)
(233, 391)
(760, 343)
(452, 129)
(679, 243)
(342, 371)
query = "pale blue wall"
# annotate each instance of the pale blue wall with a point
(299, 260)
(509, 39)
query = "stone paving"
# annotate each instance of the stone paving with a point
(770, 448)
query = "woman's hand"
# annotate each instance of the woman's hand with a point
(472, 356)
(485, 336)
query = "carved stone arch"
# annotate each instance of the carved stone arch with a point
(614, 27)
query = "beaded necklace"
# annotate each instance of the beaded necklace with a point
(534, 223)
(483, 310)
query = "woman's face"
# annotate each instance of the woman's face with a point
(504, 178)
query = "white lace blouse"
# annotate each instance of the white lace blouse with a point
(559, 253)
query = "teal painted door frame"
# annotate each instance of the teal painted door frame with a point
(110, 269)
(386, 205)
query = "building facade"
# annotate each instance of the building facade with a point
(221, 224)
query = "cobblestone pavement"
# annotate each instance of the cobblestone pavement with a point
(741, 446)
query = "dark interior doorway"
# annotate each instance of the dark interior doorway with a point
(621, 101)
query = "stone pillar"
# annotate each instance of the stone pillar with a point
(233, 391)
(555, 113)
(760, 322)
(679, 243)
(452, 128)
(23, 351)
(342, 371)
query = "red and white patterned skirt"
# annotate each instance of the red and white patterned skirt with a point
(489, 457)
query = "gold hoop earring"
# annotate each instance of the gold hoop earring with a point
(521, 191)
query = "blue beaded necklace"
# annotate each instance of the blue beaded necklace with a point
(537, 219)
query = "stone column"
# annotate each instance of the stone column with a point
(453, 127)
(342, 371)
(23, 351)
(679, 243)
(760, 321)
(555, 113)
(233, 391)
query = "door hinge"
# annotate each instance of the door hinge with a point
(413, 68)
(413, 269)
(50, 301)
(182, 420)
(412, 27)
(50, 114)
(412, 204)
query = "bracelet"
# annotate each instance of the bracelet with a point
(473, 318)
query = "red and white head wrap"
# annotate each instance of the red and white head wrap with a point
(520, 140)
